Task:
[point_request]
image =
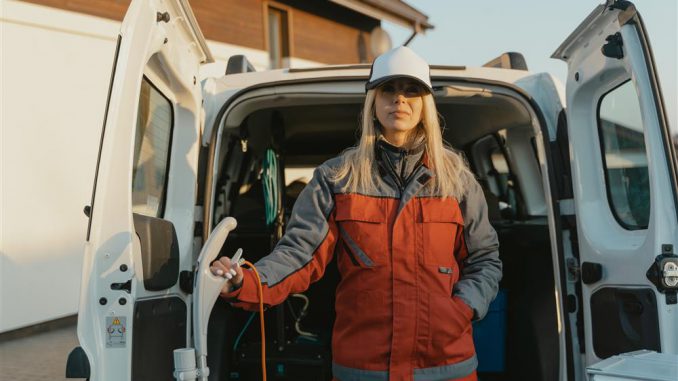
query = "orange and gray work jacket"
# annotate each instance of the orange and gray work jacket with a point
(415, 268)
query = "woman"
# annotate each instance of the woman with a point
(408, 223)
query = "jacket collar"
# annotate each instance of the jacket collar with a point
(418, 147)
(398, 163)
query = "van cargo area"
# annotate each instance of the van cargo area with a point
(519, 337)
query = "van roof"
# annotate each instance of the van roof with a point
(358, 72)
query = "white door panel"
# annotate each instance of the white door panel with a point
(150, 143)
(623, 182)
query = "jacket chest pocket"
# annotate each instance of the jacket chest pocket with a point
(363, 232)
(441, 222)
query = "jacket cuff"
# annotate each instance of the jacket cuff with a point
(248, 291)
(232, 295)
(468, 311)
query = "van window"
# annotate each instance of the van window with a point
(278, 37)
(624, 158)
(151, 151)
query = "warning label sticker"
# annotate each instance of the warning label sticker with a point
(116, 331)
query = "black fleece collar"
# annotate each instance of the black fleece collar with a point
(398, 162)
(418, 147)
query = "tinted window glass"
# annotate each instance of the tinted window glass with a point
(151, 151)
(625, 160)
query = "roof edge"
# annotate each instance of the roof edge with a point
(397, 12)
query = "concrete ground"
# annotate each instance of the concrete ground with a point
(40, 356)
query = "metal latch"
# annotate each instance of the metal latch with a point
(127, 286)
(670, 273)
(664, 274)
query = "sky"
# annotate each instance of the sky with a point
(471, 33)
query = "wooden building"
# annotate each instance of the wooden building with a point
(318, 31)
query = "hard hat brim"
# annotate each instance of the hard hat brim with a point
(380, 81)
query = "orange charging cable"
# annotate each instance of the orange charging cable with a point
(261, 319)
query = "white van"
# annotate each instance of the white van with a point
(584, 199)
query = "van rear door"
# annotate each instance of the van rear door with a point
(132, 311)
(624, 187)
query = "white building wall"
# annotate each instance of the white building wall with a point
(56, 68)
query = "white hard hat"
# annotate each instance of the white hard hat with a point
(399, 62)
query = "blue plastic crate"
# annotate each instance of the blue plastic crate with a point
(489, 336)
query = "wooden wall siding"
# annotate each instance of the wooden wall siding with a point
(110, 9)
(323, 40)
(325, 33)
(238, 22)
(329, 33)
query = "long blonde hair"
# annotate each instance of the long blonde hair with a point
(451, 172)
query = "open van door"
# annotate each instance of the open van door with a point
(133, 312)
(624, 187)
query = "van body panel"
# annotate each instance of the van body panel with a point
(142, 212)
(623, 176)
(549, 93)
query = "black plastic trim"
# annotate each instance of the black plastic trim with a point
(103, 132)
(591, 272)
(159, 251)
(77, 365)
(562, 159)
(160, 326)
(624, 320)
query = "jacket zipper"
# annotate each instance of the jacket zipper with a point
(399, 180)
(393, 173)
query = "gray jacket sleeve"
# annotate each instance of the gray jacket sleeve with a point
(478, 254)
(306, 232)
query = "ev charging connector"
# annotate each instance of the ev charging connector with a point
(191, 363)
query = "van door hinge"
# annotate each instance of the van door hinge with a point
(573, 269)
(664, 274)
(613, 47)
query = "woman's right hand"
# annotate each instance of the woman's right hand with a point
(229, 270)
